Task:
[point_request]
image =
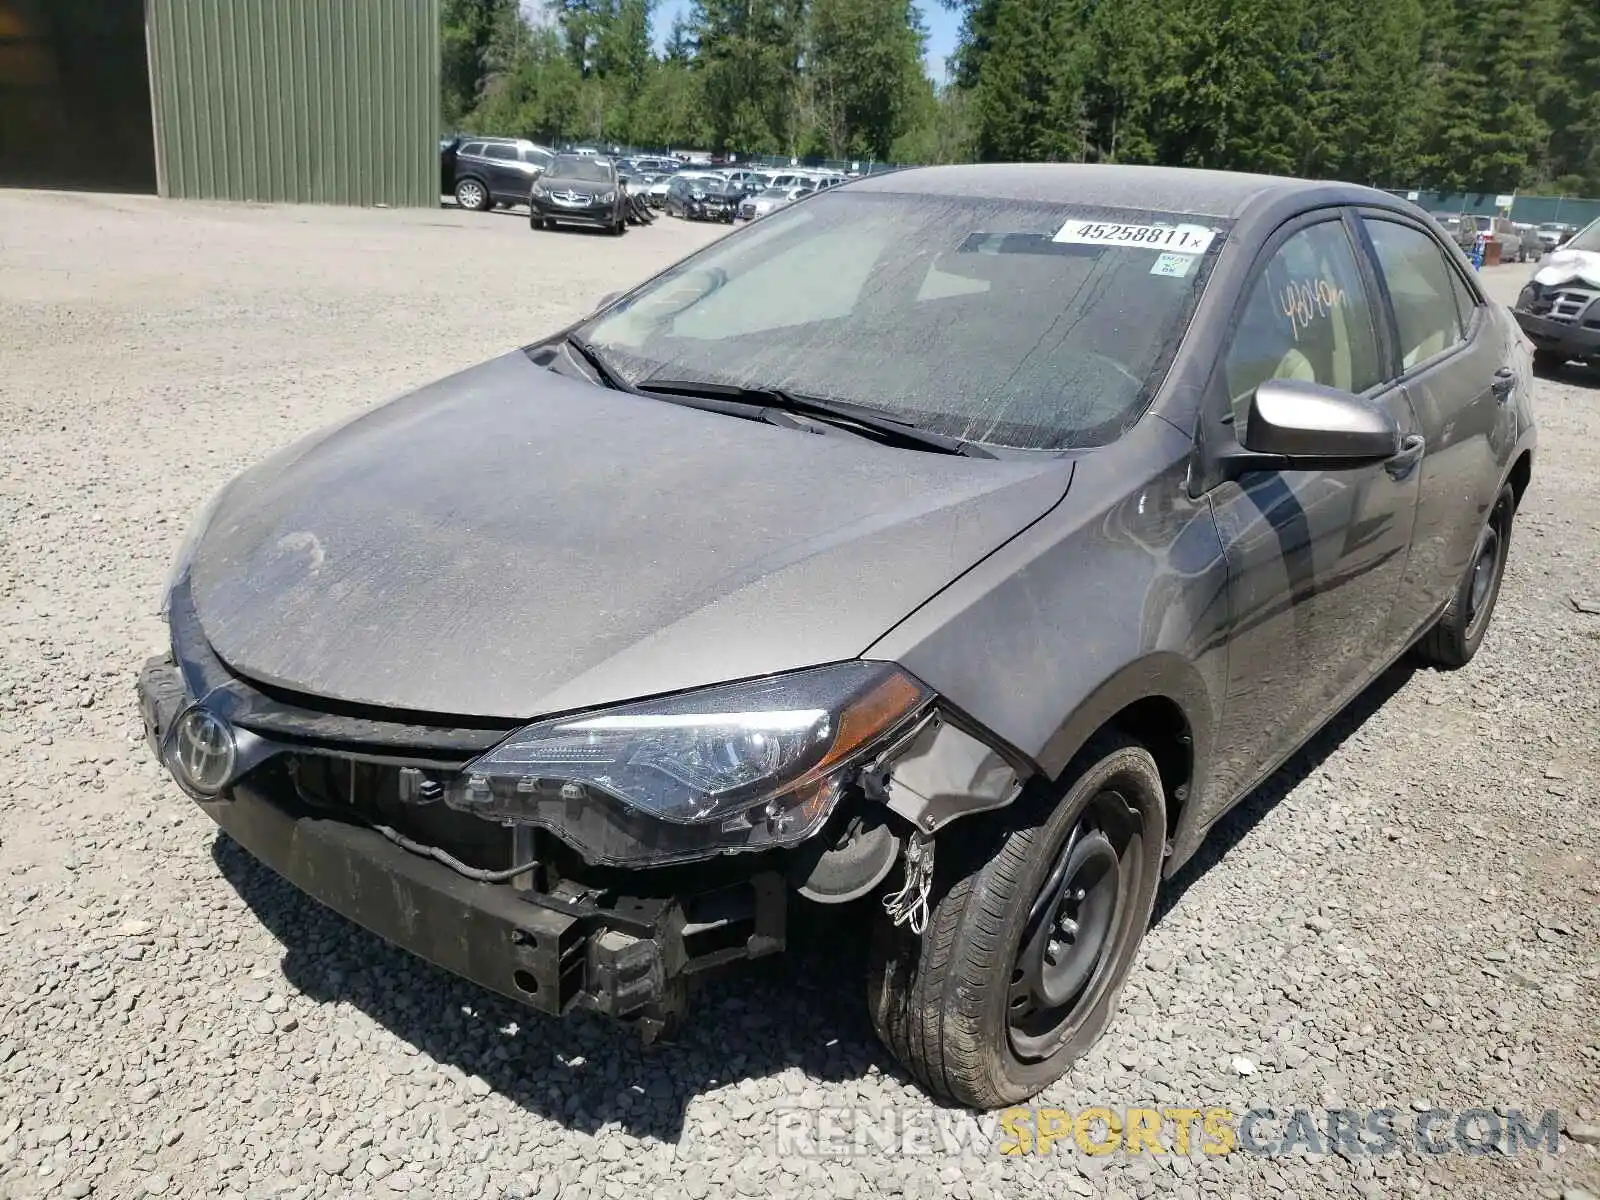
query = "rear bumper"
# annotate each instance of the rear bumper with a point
(1573, 339)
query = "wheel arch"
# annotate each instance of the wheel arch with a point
(1521, 474)
(1162, 703)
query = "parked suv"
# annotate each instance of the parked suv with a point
(483, 172)
(579, 189)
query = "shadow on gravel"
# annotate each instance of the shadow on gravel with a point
(1575, 373)
(802, 1009)
(1231, 830)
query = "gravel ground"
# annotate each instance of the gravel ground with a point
(1406, 916)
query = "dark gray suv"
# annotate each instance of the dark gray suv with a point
(958, 545)
(490, 172)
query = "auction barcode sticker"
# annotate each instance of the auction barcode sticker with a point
(1183, 239)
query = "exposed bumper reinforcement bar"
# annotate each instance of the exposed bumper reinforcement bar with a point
(551, 953)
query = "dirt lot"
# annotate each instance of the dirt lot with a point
(1405, 917)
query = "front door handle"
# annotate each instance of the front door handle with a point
(1505, 379)
(1410, 453)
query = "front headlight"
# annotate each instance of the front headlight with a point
(732, 768)
(539, 192)
(608, 198)
(1528, 295)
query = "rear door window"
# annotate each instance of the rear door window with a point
(1466, 301)
(501, 151)
(1427, 314)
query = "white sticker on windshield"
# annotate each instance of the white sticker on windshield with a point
(1187, 239)
(1174, 266)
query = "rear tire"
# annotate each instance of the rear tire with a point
(1455, 638)
(1027, 945)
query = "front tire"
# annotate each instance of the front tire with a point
(1455, 638)
(1018, 971)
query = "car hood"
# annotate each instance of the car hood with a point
(581, 187)
(1565, 266)
(509, 542)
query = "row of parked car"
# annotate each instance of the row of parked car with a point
(1517, 241)
(582, 187)
(733, 194)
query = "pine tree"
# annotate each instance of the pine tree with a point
(749, 51)
(1027, 82)
(1572, 104)
(466, 30)
(1491, 64)
(864, 59)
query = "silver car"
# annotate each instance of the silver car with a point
(771, 200)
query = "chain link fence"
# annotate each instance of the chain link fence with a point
(1530, 210)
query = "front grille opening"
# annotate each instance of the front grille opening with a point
(369, 793)
(1569, 304)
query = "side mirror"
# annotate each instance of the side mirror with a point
(1293, 425)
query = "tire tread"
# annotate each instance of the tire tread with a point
(928, 1000)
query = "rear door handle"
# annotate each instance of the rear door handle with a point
(1505, 379)
(1410, 453)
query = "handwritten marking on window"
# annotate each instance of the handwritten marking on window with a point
(1306, 300)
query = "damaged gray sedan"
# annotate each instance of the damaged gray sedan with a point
(960, 545)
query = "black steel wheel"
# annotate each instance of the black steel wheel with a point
(1032, 930)
(1455, 638)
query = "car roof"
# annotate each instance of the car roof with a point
(1168, 189)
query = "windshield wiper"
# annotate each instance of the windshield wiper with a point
(875, 420)
(608, 374)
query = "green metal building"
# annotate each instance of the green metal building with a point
(319, 101)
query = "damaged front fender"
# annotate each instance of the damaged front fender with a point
(940, 772)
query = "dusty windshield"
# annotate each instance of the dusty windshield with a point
(1014, 323)
(1588, 240)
